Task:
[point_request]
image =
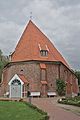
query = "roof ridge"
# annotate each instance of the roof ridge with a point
(28, 49)
(49, 41)
(23, 33)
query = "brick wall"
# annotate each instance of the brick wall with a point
(52, 75)
(70, 79)
(32, 72)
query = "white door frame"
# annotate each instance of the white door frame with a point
(15, 77)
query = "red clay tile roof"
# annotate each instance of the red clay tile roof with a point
(42, 66)
(22, 77)
(44, 82)
(30, 44)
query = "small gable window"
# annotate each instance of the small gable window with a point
(44, 53)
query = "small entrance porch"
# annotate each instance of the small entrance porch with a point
(18, 86)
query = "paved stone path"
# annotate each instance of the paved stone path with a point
(55, 111)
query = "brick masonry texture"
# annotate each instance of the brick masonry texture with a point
(28, 49)
(32, 72)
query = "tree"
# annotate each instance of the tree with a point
(0, 55)
(0, 52)
(61, 87)
(3, 62)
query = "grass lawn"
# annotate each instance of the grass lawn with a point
(17, 111)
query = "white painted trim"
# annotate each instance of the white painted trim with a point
(24, 92)
(15, 77)
(10, 91)
(21, 90)
(39, 47)
(47, 48)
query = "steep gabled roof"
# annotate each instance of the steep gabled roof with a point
(30, 44)
(23, 78)
(20, 77)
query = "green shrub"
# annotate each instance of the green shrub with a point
(70, 101)
(61, 87)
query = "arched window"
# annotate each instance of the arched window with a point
(16, 82)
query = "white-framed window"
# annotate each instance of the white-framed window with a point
(44, 53)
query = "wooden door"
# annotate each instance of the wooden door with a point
(16, 89)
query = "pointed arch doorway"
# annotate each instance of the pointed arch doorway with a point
(15, 87)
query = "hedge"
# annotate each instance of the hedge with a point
(70, 101)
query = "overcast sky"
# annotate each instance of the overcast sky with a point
(58, 19)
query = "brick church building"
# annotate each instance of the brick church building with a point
(35, 65)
